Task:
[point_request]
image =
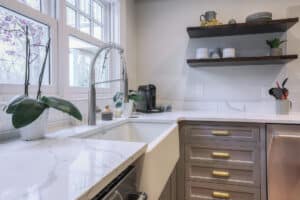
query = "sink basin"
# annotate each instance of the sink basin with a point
(162, 154)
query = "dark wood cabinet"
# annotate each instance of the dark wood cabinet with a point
(221, 161)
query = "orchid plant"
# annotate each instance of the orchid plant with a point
(23, 108)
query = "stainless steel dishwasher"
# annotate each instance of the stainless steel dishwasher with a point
(122, 188)
(284, 162)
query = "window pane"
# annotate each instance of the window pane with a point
(36, 4)
(80, 57)
(97, 12)
(98, 31)
(85, 24)
(71, 2)
(71, 17)
(13, 45)
(84, 6)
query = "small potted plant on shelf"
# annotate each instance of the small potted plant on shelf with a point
(275, 46)
(281, 93)
(30, 115)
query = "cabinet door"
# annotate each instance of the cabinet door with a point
(283, 162)
(209, 150)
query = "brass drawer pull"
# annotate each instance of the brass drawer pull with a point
(222, 174)
(221, 195)
(223, 155)
(220, 133)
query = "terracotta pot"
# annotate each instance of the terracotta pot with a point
(276, 52)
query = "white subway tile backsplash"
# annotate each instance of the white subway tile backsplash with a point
(245, 88)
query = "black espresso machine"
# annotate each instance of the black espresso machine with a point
(147, 103)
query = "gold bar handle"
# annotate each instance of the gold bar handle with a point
(222, 174)
(223, 155)
(220, 133)
(221, 195)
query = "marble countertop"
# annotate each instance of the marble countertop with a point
(65, 167)
(62, 169)
(223, 117)
(176, 116)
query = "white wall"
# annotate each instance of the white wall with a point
(128, 38)
(163, 46)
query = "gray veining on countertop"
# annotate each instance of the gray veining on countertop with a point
(62, 168)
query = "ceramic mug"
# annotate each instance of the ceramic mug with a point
(229, 53)
(208, 16)
(202, 53)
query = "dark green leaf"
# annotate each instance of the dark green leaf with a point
(118, 105)
(118, 96)
(10, 108)
(135, 97)
(26, 112)
(62, 105)
(284, 82)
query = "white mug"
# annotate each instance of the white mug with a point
(229, 53)
(202, 53)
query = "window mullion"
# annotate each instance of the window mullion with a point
(77, 14)
(91, 18)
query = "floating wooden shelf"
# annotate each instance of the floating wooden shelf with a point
(263, 60)
(280, 25)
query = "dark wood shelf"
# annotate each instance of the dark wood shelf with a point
(280, 25)
(263, 60)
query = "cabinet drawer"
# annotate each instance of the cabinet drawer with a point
(222, 153)
(196, 133)
(247, 176)
(209, 191)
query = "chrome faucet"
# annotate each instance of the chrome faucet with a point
(92, 83)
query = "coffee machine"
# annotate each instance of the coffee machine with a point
(147, 103)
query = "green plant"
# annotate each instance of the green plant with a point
(275, 43)
(25, 109)
(119, 98)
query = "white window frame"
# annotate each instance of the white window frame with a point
(90, 17)
(64, 32)
(53, 14)
(27, 11)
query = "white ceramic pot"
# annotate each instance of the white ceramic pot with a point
(37, 129)
(283, 107)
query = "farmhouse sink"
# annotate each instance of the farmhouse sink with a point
(161, 156)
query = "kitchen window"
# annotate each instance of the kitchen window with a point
(36, 4)
(80, 57)
(13, 44)
(88, 24)
(14, 17)
(77, 29)
(88, 16)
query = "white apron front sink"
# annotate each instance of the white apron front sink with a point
(161, 156)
